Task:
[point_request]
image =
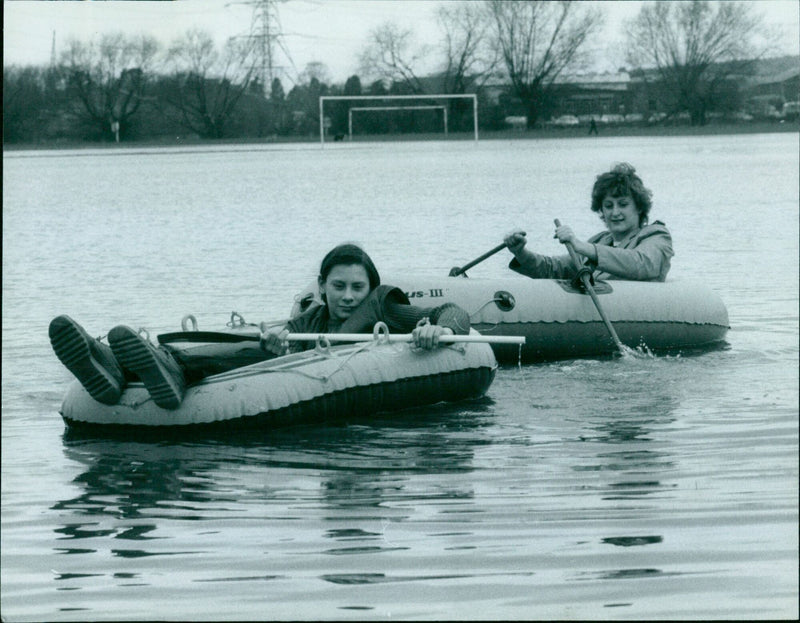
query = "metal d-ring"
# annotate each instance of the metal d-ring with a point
(186, 319)
(380, 333)
(233, 323)
(323, 345)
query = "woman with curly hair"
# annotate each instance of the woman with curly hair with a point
(629, 248)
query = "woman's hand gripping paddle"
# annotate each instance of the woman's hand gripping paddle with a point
(588, 285)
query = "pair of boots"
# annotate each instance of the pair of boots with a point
(101, 369)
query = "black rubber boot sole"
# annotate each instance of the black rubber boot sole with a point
(164, 382)
(73, 347)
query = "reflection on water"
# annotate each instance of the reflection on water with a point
(368, 481)
(361, 465)
(632, 541)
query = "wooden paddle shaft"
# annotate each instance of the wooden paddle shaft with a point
(588, 285)
(478, 260)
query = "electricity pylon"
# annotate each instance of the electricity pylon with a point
(266, 33)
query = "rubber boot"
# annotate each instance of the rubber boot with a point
(160, 373)
(92, 362)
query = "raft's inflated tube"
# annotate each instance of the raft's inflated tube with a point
(560, 321)
(312, 386)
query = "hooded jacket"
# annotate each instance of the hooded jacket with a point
(642, 256)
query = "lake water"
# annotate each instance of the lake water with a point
(660, 488)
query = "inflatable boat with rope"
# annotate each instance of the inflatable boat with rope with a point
(561, 321)
(377, 373)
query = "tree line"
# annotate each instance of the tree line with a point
(120, 87)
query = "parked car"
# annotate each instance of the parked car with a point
(656, 117)
(565, 121)
(612, 119)
(791, 111)
(519, 122)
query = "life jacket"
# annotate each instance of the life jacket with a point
(370, 311)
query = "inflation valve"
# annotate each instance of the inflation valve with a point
(504, 300)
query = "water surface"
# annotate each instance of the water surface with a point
(660, 487)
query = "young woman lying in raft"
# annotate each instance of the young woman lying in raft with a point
(354, 302)
(628, 249)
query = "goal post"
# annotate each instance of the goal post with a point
(365, 108)
(400, 98)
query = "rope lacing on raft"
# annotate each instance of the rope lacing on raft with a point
(380, 336)
(237, 320)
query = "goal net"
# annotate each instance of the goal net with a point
(403, 104)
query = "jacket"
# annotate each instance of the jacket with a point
(643, 256)
(384, 304)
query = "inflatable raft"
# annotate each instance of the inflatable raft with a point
(560, 320)
(313, 386)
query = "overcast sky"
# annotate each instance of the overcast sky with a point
(329, 31)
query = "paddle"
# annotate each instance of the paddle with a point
(221, 337)
(404, 337)
(588, 285)
(456, 271)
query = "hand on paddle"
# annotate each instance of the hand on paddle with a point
(567, 237)
(564, 234)
(274, 341)
(515, 241)
(427, 335)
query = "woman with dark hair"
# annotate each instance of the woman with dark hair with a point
(628, 249)
(354, 301)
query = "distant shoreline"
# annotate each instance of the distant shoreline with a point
(715, 129)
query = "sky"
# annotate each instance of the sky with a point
(332, 32)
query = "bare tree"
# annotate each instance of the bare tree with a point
(315, 69)
(388, 55)
(695, 48)
(208, 84)
(538, 40)
(108, 77)
(468, 55)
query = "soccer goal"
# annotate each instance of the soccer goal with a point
(366, 108)
(400, 106)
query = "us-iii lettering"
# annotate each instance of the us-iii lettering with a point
(417, 294)
(436, 292)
